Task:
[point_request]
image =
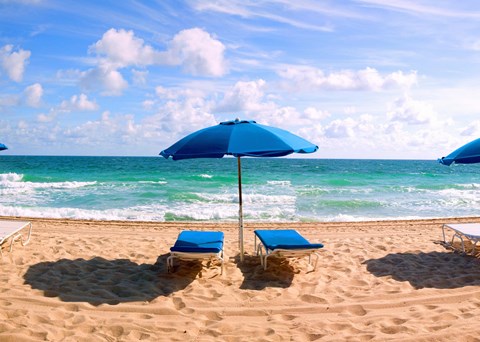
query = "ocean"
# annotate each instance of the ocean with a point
(274, 189)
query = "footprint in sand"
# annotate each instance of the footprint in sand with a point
(356, 310)
(213, 316)
(313, 299)
(288, 317)
(179, 303)
(4, 303)
(16, 313)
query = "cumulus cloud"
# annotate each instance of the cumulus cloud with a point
(33, 95)
(289, 118)
(177, 113)
(195, 50)
(341, 128)
(314, 114)
(109, 80)
(13, 62)
(78, 103)
(306, 77)
(177, 94)
(120, 48)
(75, 103)
(198, 53)
(243, 96)
(108, 131)
(44, 117)
(148, 104)
(412, 112)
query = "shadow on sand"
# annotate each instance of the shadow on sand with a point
(278, 274)
(101, 281)
(439, 270)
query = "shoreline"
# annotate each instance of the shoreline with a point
(87, 280)
(254, 223)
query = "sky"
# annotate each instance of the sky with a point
(363, 79)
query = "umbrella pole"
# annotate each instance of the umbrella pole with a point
(240, 209)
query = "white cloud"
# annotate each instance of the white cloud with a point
(103, 77)
(417, 8)
(473, 129)
(412, 112)
(120, 48)
(195, 50)
(291, 119)
(109, 131)
(44, 118)
(198, 53)
(244, 96)
(177, 94)
(78, 103)
(148, 104)
(306, 78)
(314, 114)
(180, 112)
(22, 124)
(33, 94)
(341, 128)
(13, 62)
(283, 12)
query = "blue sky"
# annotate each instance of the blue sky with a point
(360, 78)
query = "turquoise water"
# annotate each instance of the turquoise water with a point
(274, 189)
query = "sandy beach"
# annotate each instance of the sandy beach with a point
(108, 281)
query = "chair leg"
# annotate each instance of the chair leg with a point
(316, 261)
(15, 238)
(221, 260)
(170, 264)
(474, 245)
(259, 253)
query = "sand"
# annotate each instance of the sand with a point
(108, 281)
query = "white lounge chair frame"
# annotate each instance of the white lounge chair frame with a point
(13, 230)
(284, 253)
(469, 231)
(194, 256)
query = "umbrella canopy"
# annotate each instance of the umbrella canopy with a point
(467, 154)
(238, 138)
(3, 147)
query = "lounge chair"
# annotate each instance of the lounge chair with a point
(12, 231)
(284, 243)
(469, 231)
(197, 245)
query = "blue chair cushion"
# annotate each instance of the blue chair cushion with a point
(285, 239)
(198, 242)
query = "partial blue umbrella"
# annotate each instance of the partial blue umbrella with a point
(3, 147)
(467, 154)
(238, 138)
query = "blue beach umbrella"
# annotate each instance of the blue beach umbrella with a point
(467, 154)
(3, 147)
(238, 138)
